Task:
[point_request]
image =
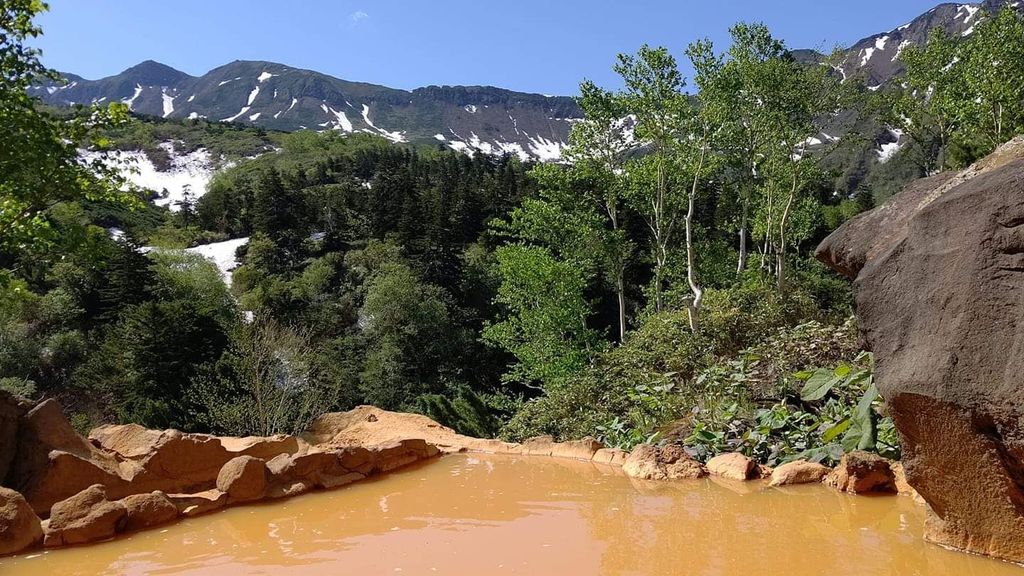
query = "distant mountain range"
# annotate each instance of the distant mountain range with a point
(466, 118)
(280, 97)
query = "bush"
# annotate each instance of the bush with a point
(24, 389)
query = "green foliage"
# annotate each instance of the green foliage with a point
(963, 96)
(24, 389)
(39, 164)
(496, 297)
(837, 411)
(466, 412)
(546, 326)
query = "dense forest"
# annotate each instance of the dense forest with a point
(659, 283)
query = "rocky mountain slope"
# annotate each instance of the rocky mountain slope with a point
(279, 97)
(876, 58)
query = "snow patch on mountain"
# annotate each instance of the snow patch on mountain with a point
(546, 150)
(168, 102)
(889, 149)
(222, 254)
(188, 174)
(252, 95)
(264, 76)
(244, 110)
(131, 101)
(393, 136)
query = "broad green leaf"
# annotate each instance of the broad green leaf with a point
(818, 385)
(833, 432)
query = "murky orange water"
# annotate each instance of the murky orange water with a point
(480, 515)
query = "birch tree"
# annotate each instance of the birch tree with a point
(653, 94)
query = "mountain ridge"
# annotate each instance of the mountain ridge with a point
(280, 97)
(470, 119)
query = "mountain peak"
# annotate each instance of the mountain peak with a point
(153, 73)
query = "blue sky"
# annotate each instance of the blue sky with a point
(537, 46)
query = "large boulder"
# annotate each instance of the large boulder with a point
(166, 460)
(669, 462)
(54, 462)
(85, 517)
(243, 478)
(938, 274)
(19, 526)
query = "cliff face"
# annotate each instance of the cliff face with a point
(939, 277)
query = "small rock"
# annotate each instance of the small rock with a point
(798, 472)
(734, 466)
(244, 478)
(670, 462)
(20, 528)
(859, 472)
(610, 456)
(289, 490)
(145, 510)
(85, 517)
(199, 503)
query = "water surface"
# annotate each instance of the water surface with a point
(477, 515)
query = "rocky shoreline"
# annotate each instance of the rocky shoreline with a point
(63, 489)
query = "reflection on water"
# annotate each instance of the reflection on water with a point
(479, 515)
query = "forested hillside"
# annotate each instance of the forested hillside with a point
(657, 283)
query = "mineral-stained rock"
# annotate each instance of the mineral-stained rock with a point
(85, 517)
(54, 462)
(166, 460)
(394, 455)
(358, 459)
(610, 456)
(19, 526)
(307, 468)
(577, 449)
(145, 510)
(900, 479)
(938, 274)
(263, 448)
(329, 481)
(244, 478)
(733, 465)
(199, 503)
(538, 446)
(668, 462)
(861, 472)
(288, 490)
(798, 472)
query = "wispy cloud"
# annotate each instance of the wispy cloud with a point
(356, 17)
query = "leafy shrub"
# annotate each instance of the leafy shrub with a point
(837, 411)
(24, 389)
